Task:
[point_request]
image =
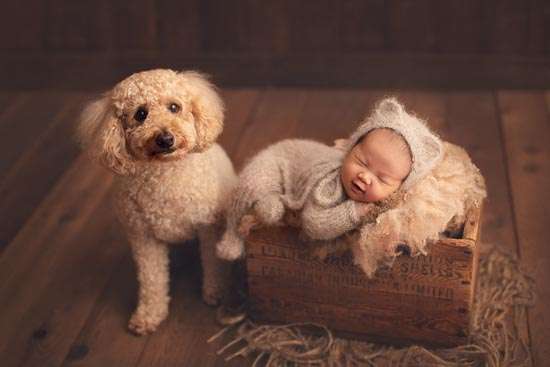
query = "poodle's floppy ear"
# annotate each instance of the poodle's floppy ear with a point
(207, 107)
(101, 136)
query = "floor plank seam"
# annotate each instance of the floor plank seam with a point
(502, 136)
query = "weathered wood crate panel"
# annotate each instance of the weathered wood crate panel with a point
(426, 299)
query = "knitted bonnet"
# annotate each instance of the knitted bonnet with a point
(425, 146)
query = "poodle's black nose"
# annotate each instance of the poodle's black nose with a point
(165, 140)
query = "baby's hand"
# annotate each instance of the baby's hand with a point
(248, 222)
(365, 209)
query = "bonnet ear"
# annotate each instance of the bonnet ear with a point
(430, 153)
(427, 151)
(389, 106)
(101, 136)
(434, 147)
(207, 108)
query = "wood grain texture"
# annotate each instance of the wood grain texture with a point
(226, 30)
(275, 118)
(364, 25)
(28, 118)
(458, 26)
(314, 26)
(104, 339)
(179, 26)
(8, 102)
(99, 70)
(61, 42)
(526, 133)
(334, 114)
(472, 226)
(39, 166)
(70, 25)
(275, 27)
(135, 25)
(8, 114)
(429, 105)
(269, 27)
(22, 29)
(474, 124)
(239, 110)
(51, 243)
(412, 26)
(538, 30)
(508, 25)
(546, 25)
(61, 309)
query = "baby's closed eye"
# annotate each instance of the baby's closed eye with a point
(387, 180)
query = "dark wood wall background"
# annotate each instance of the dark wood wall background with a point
(349, 42)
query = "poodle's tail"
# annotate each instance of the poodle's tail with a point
(231, 245)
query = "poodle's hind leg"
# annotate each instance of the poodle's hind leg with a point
(216, 278)
(151, 258)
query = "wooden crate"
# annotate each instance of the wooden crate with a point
(423, 299)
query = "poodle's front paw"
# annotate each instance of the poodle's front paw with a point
(142, 323)
(229, 252)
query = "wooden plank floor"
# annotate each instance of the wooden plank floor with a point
(67, 282)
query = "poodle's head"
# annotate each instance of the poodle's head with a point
(155, 115)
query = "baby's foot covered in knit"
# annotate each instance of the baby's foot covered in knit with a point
(270, 210)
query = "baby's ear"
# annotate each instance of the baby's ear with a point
(207, 108)
(101, 136)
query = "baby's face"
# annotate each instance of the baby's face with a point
(375, 168)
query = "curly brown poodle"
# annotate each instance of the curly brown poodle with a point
(157, 130)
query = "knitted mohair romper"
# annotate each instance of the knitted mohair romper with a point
(281, 177)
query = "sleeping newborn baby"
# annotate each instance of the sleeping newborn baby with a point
(333, 190)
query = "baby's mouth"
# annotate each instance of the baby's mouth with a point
(358, 187)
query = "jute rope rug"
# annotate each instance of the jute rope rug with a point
(503, 295)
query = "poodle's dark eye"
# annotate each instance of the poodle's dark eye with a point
(174, 107)
(141, 114)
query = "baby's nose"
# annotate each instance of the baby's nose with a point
(365, 178)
